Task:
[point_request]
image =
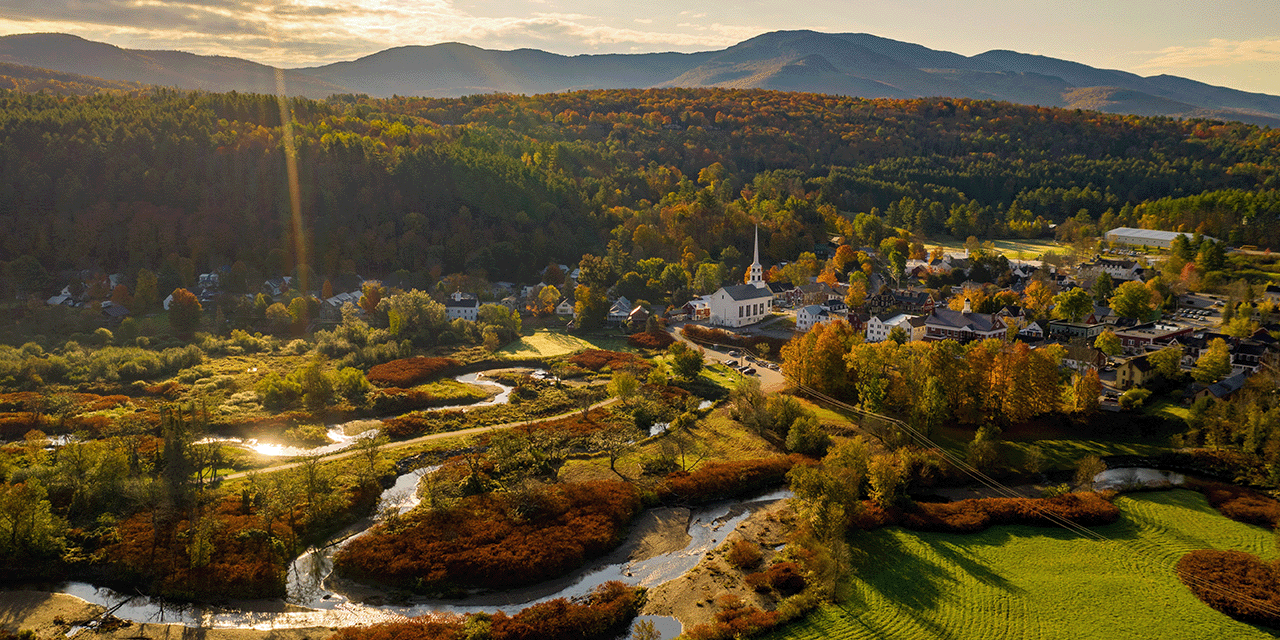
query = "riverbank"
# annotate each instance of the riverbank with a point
(52, 615)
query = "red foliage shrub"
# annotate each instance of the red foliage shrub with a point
(743, 554)
(784, 577)
(424, 628)
(707, 335)
(735, 620)
(972, 516)
(597, 359)
(646, 340)
(480, 543)
(103, 403)
(718, 480)
(14, 425)
(1235, 583)
(573, 425)
(1240, 504)
(604, 616)
(20, 401)
(169, 389)
(407, 372)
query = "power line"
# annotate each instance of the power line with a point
(1005, 490)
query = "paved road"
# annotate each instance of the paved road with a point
(770, 380)
(346, 453)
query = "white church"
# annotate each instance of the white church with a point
(743, 304)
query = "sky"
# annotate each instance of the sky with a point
(1234, 43)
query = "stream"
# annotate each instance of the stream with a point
(337, 433)
(313, 602)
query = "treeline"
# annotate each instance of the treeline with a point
(990, 383)
(502, 185)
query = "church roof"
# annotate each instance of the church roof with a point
(740, 292)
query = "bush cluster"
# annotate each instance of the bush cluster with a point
(1240, 504)
(707, 335)
(734, 620)
(786, 578)
(720, 480)
(975, 515)
(493, 540)
(407, 372)
(597, 360)
(603, 615)
(1236, 583)
(646, 340)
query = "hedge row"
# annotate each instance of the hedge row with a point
(975, 515)
(1239, 504)
(707, 335)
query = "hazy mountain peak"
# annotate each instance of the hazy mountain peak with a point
(859, 64)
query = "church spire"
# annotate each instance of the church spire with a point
(755, 275)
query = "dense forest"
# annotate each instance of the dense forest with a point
(499, 185)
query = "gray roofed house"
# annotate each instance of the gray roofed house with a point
(962, 326)
(1223, 388)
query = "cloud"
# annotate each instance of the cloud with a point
(307, 32)
(1216, 53)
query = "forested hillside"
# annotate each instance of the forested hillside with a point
(501, 185)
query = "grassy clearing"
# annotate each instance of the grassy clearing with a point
(1167, 409)
(548, 343)
(1027, 582)
(1019, 249)
(543, 343)
(1059, 449)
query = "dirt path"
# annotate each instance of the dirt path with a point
(346, 453)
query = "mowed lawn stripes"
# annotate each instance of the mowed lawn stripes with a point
(1034, 583)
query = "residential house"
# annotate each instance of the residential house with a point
(1082, 357)
(879, 328)
(818, 293)
(619, 311)
(810, 315)
(785, 294)
(1135, 372)
(564, 307)
(462, 305)
(1034, 330)
(698, 309)
(1223, 388)
(962, 326)
(919, 327)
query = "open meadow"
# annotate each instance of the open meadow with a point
(1016, 582)
(1011, 248)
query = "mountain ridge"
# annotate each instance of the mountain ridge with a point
(855, 64)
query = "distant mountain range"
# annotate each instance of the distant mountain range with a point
(854, 64)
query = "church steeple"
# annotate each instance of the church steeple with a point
(755, 274)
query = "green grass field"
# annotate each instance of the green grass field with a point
(1027, 582)
(1167, 409)
(1019, 249)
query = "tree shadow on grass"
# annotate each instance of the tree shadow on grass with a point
(903, 577)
